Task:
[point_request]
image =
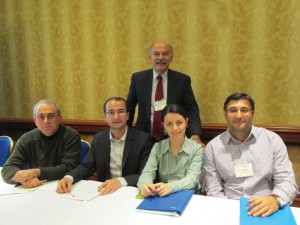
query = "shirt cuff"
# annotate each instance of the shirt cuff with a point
(122, 181)
(173, 186)
(69, 177)
(282, 195)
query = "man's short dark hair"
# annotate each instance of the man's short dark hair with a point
(115, 99)
(239, 96)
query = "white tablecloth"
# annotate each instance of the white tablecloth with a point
(46, 207)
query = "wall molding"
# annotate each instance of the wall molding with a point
(289, 134)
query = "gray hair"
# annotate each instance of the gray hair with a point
(151, 48)
(48, 102)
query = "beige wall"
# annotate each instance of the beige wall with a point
(79, 53)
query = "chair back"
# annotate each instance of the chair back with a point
(85, 147)
(6, 146)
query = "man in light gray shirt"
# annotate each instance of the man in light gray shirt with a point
(248, 161)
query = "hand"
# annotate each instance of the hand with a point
(197, 139)
(262, 206)
(162, 189)
(64, 185)
(33, 182)
(148, 190)
(23, 175)
(109, 186)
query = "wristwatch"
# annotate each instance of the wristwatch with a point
(279, 200)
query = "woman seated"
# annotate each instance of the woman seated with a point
(177, 159)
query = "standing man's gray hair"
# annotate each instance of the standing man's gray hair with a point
(151, 48)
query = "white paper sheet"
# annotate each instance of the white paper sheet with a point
(8, 189)
(84, 190)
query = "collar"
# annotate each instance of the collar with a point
(252, 136)
(48, 138)
(164, 75)
(185, 147)
(123, 138)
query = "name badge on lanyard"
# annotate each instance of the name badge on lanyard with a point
(243, 170)
(160, 105)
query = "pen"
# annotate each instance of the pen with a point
(18, 184)
(71, 194)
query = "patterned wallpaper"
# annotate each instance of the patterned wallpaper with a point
(81, 52)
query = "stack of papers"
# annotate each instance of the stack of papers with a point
(281, 217)
(173, 204)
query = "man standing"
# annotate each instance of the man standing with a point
(50, 150)
(155, 88)
(118, 154)
(248, 161)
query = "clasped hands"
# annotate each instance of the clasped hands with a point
(262, 206)
(158, 189)
(28, 178)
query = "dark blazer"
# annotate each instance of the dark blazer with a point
(179, 92)
(136, 151)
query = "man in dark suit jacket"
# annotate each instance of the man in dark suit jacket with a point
(177, 90)
(118, 154)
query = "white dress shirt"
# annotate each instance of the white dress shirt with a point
(116, 158)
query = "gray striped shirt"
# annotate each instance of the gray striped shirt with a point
(265, 150)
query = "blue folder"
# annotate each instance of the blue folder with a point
(173, 204)
(283, 216)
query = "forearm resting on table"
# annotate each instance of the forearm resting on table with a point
(24, 175)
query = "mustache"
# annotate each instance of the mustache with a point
(161, 61)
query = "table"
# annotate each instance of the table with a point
(46, 207)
